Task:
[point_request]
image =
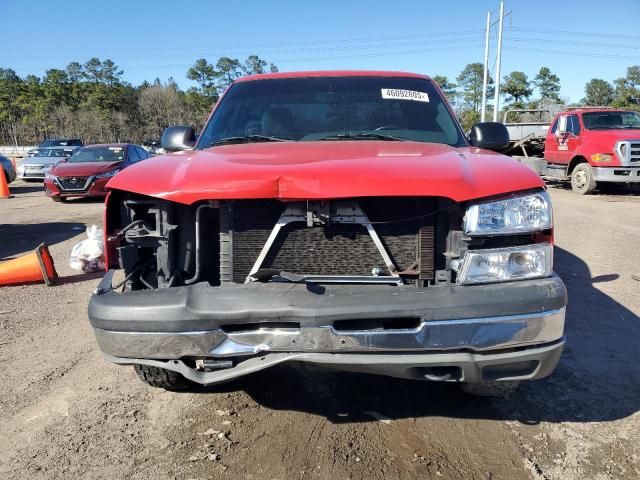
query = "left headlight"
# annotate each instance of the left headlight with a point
(109, 174)
(519, 214)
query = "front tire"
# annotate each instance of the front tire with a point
(490, 389)
(162, 378)
(582, 181)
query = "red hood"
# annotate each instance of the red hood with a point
(82, 169)
(330, 169)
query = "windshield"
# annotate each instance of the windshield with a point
(333, 108)
(610, 120)
(60, 142)
(53, 152)
(98, 154)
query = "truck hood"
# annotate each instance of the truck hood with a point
(81, 169)
(326, 169)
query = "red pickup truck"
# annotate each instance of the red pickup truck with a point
(587, 145)
(340, 219)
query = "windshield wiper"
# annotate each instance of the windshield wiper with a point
(247, 139)
(362, 136)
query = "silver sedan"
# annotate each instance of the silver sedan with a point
(35, 167)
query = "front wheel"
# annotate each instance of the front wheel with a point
(162, 378)
(490, 389)
(582, 181)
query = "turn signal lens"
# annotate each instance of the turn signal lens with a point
(601, 157)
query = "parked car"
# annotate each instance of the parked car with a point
(7, 168)
(587, 146)
(333, 218)
(88, 170)
(34, 168)
(57, 142)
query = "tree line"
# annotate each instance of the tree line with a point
(91, 100)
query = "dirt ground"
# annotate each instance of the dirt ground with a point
(67, 413)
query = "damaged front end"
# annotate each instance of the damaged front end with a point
(219, 289)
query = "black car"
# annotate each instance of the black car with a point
(6, 166)
(57, 142)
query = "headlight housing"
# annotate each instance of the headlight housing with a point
(109, 174)
(505, 264)
(518, 214)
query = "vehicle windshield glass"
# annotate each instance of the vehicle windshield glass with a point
(52, 152)
(98, 154)
(333, 108)
(61, 142)
(610, 120)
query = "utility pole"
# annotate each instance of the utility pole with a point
(486, 68)
(496, 99)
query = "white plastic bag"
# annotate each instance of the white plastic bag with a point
(88, 255)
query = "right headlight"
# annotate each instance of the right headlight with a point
(505, 264)
(518, 214)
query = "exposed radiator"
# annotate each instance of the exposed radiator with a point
(403, 225)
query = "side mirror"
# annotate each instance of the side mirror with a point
(178, 138)
(561, 129)
(489, 135)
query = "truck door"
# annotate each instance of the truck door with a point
(565, 138)
(551, 144)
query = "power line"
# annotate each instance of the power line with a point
(575, 54)
(308, 50)
(339, 41)
(571, 32)
(573, 42)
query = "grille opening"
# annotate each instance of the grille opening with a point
(377, 324)
(252, 327)
(334, 249)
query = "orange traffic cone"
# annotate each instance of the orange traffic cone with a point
(4, 187)
(33, 267)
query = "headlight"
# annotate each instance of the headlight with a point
(109, 174)
(48, 176)
(505, 264)
(522, 214)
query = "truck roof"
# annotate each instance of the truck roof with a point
(331, 73)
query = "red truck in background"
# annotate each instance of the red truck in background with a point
(586, 145)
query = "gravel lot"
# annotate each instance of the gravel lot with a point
(67, 413)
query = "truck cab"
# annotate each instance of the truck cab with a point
(590, 145)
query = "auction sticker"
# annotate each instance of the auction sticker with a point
(397, 94)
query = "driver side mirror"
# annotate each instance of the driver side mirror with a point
(562, 125)
(490, 136)
(178, 138)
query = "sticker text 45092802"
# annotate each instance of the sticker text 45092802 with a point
(398, 94)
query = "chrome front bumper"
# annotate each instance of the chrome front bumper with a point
(482, 332)
(477, 334)
(617, 174)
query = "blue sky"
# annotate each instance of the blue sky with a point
(577, 40)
